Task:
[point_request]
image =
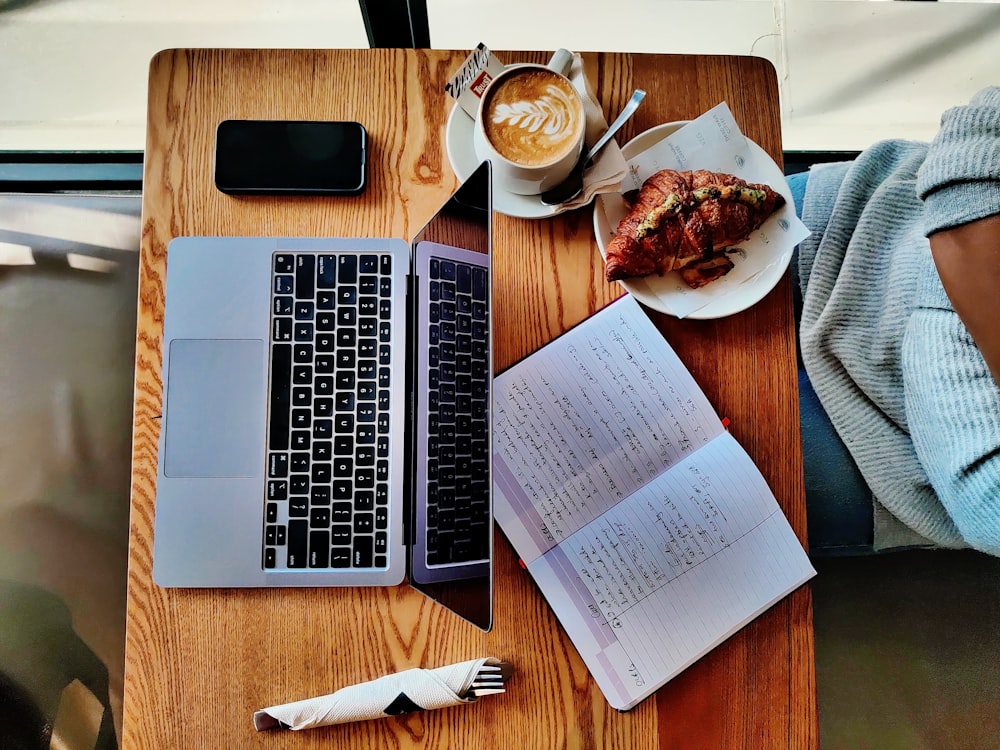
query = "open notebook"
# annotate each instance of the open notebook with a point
(647, 527)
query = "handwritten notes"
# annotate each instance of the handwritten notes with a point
(606, 410)
(647, 527)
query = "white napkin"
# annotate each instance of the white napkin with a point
(391, 695)
(609, 167)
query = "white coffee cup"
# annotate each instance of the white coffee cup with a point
(531, 125)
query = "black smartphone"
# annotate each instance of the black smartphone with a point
(290, 157)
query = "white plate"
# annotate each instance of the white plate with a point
(462, 155)
(656, 291)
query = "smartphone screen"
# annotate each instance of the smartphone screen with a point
(290, 157)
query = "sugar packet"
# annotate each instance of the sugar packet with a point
(469, 82)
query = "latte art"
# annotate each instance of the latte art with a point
(533, 118)
(553, 113)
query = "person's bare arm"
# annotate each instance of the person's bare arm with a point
(968, 261)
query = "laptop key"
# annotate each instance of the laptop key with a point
(283, 328)
(326, 272)
(305, 276)
(322, 450)
(324, 364)
(364, 500)
(368, 284)
(340, 557)
(321, 473)
(319, 549)
(343, 467)
(298, 543)
(284, 263)
(277, 465)
(319, 518)
(363, 552)
(364, 523)
(464, 279)
(479, 283)
(340, 534)
(347, 269)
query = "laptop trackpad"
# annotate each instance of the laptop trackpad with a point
(213, 420)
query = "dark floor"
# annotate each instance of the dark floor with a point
(908, 651)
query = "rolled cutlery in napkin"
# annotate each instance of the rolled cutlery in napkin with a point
(391, 695)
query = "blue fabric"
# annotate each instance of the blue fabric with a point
(839, 506)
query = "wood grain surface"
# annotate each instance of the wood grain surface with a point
(199, 662)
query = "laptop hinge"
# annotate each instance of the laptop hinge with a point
(409, 464)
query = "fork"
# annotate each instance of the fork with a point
(489, 680)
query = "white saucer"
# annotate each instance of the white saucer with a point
(721, 299)
(462, 155)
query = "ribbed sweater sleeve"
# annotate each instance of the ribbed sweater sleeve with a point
(959, 181)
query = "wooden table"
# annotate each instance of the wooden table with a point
(199, 662)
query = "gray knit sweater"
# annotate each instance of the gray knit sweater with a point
(901, 378)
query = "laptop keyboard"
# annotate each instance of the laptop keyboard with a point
(458, 518)
(327, 492)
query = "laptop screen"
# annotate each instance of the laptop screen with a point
(451, 523)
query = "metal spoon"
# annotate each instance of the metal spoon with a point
(573, 184)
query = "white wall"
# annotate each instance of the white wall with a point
(73, 72)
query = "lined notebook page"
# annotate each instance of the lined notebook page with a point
(587, 420)
(669, 573)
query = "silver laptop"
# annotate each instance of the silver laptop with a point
(326, 415)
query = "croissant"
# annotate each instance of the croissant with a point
(683, 221)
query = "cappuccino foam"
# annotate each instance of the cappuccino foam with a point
(533, 117)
